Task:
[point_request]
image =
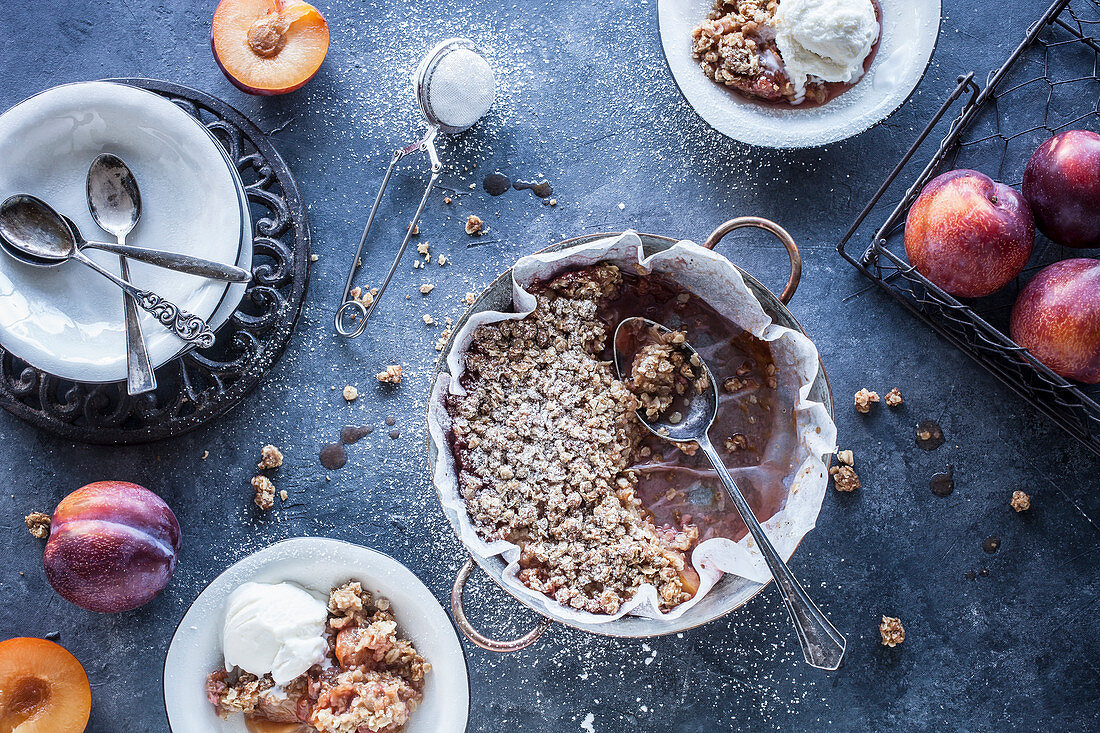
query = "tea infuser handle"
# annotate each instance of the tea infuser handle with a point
(779, 232)
(362, 313)
(822, 644)
(477, 637)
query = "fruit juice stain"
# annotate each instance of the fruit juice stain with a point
(352, 434)
(542, 189)
(991, 544)
(929, 434)
(942, 484)
(334, 456)
(496, 183)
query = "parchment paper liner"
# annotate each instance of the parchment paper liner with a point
(713, 278)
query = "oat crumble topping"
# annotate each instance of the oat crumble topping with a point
(428, 320)
(469, 298)
(661, 372)
(351, 394)
(893, 398)
(426, 288)
(893, 633)
(374, 682)
(390, 375)
(265, 492)
(474, 225)
(844, 478)
(864, 398)
(1021, 502)
(270, 457)
(846, 457)
(38, 524)
(544, 437)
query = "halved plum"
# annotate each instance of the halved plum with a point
(43, 688)
(269, 46)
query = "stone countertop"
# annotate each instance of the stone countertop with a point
(587, 101)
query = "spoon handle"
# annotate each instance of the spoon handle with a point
(822, 644)
(140, 376)
(187, 326)
(178, 262)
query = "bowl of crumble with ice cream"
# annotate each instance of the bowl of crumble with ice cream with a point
(313, 635)
(797, 73)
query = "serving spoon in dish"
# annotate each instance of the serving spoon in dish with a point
(822, 645)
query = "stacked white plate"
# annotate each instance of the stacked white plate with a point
(68, 320)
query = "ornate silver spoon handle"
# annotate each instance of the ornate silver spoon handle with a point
(187, 326)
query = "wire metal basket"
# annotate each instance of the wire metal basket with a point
(1050, 83)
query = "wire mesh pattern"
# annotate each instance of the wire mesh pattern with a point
(201, 385)
(1050, 84)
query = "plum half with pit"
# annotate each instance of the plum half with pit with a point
(1057, 318)
(113, 546)
(43, 688)
(968, 234)
(1062, 184)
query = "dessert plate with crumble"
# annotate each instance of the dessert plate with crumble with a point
(393, 657)
(797, 73)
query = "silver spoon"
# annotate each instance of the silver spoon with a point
(34, 229)
(822, 645)
(115, 202)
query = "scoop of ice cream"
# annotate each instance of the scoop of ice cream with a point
(277, 628)
(827, 39)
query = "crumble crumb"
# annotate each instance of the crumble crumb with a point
(415, 229)
(893, 398)
(351, 393)
(422, 248)
(38, 523)
(282, 494)
(426, 288)
(205, 454)
(390, 375)
(474, 225)
(265, 492)
(365, 297)
(893, 633)
(553, 202)
(863, 400)
(469, 298)
(446, 199)
(314, 258)
(442, 260)
(844, 478)
(846, 457)
(736, 442)
(444, 335)
(428, 320)
(270, 457)
(1021, 502)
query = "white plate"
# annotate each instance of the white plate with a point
(909, 32)
(317, 564)
(67, 320)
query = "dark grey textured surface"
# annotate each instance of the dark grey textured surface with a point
(588, 101)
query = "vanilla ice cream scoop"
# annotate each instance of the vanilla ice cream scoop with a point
(826, 39)
(277, 628)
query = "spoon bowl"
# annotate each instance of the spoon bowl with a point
(113, 195)
(31, 227)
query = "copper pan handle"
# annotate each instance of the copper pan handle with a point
(477, 637)
(780, 233)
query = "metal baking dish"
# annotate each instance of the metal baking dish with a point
(730, 592)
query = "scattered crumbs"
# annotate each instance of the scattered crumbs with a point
(426, 288)
(473, 186)
(442, 260)
(350, 393)
(428, 320)
(1021, 502)
(391, 420)
(270, 457)
(444, 335)
(622, 206)
(846, 457)
(415, 229)
(205, 454)
(553, 202)
(844, 478)
(282, 494)
(38, 523)
(586, 724)
(365, 297)
(864, 398)
(314, 258)
(446, 199)
(474, 225)
(469, 298)
(265, 492)
(422, 249)
(893, 398)
(390, 375)
(893, 633)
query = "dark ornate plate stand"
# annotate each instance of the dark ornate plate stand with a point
(199, 386)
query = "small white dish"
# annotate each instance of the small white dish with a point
(909, 32)
(68, 321)
(317, 564)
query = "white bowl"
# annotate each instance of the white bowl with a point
(316, 563)
(68, 320)
(909, 32)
